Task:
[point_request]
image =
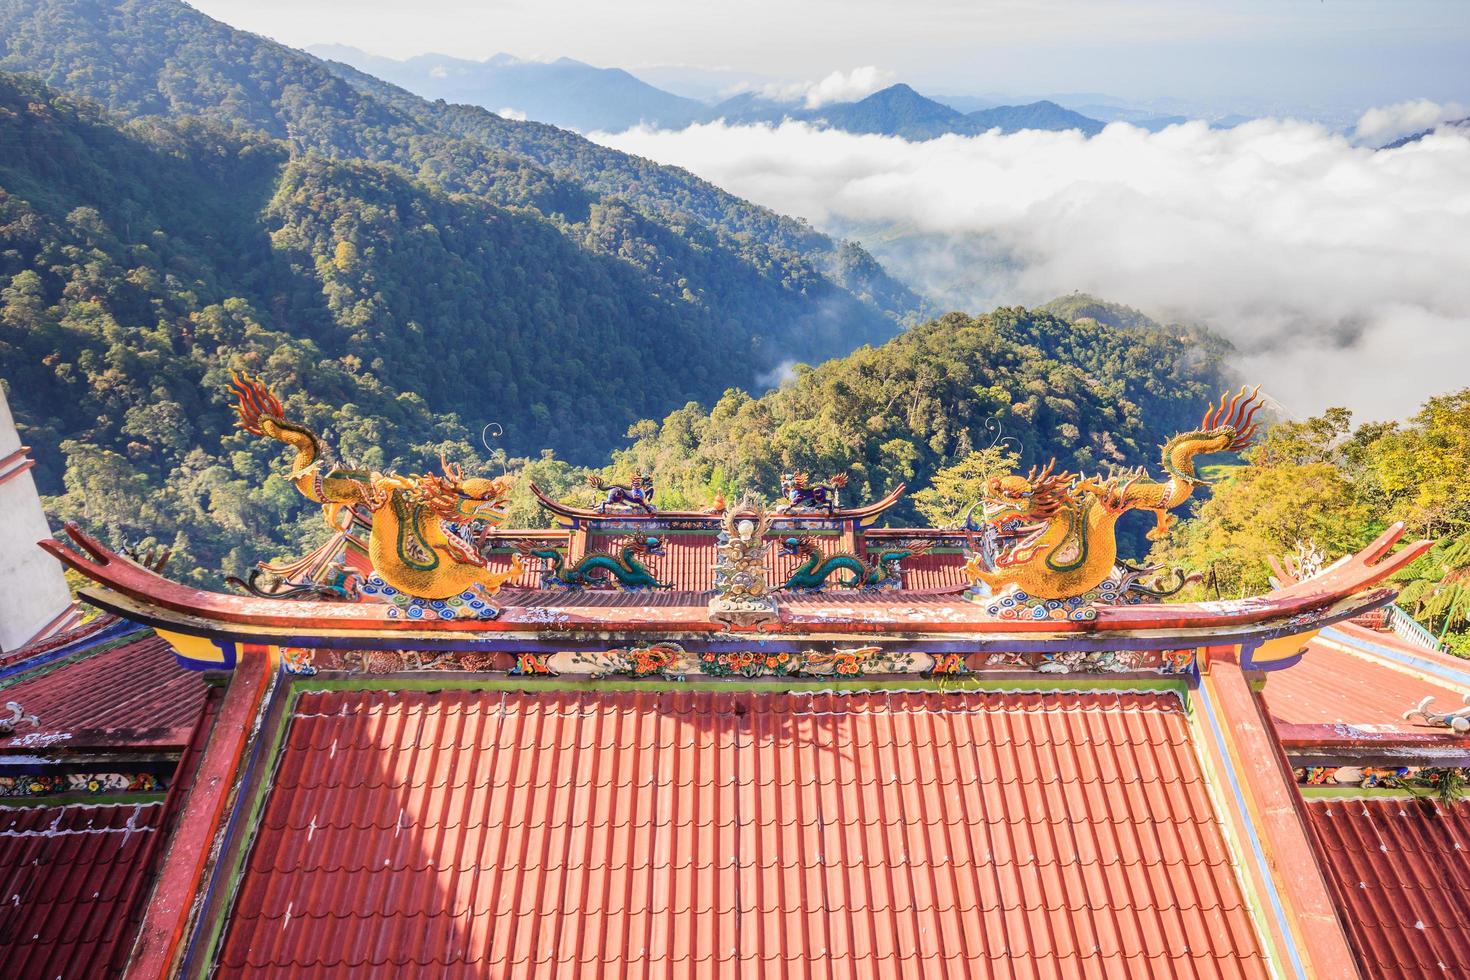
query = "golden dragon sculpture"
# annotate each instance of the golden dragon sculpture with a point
(1052, 535)
(411, 545)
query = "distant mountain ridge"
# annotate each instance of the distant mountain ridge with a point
(899, 110)
(564, 92)
(573, 94)
(1457, 124)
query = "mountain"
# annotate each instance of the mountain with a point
(564, 92)
(700, 251)
(967, 103)
(704, 84)
(1090, 383)
(900, 111)
(120, 241)
(1462, 125)
(751, 107)
(895, 111)
(1036, 115)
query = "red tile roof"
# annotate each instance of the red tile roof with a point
(734, 833)
(689, 560)
(133, 696)
(1331, 686)
(70, 878)
(1401, 869)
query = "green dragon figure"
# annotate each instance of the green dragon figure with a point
(623, 567)
(812, 574)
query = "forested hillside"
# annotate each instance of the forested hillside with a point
(406, 272)
(160, 57)
(142, 262)
(1088, 393)
(1325, 484)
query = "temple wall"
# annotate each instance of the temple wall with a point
(33, 590)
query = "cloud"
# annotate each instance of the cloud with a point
(777, 376)
(840, 86)
(509, 113)
(1387, 123)
(848, 86)
(1338, 271)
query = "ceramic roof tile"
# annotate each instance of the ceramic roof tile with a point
(1401, 869)
(69, 881)
(1365, 694)
(132, 696)
(698, 832)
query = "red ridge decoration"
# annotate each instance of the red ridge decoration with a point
(587, 514)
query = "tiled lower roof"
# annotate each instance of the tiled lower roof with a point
(70, 878)
(132, 696)
(1332, 686)
(1401, 869)
(735, 833)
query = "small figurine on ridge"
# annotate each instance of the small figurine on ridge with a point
(636, 494)
(803, 496)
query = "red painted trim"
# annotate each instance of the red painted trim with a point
(198, 822)
(61, 621)
(26, 464)
(1280, 822)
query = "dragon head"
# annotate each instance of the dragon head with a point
(649, 546)
(795, 546)
(458, 499)
(1018, 515)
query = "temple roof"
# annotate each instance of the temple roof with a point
(1401, 870)
(70, 881)
(1350, 691)
(129, 696)
(555, 832)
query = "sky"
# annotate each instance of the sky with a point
(1271, 54)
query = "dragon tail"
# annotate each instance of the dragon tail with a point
(1227, 427)
(260, 414)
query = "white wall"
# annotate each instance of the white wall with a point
(32, 588)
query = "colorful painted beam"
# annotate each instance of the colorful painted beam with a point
(1266, 625)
